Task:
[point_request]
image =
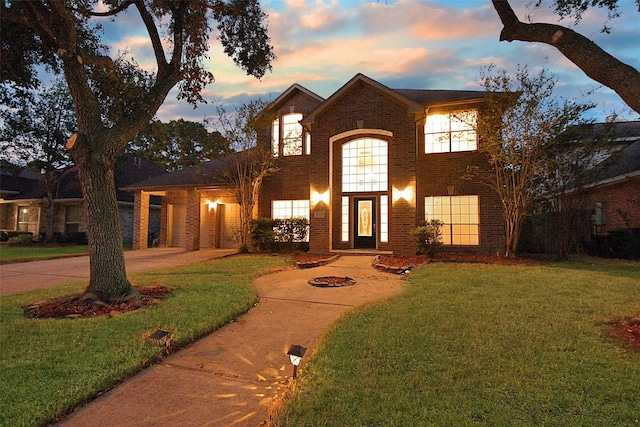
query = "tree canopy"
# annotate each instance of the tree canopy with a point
(589, 57)
(178, 144)
(114, 97)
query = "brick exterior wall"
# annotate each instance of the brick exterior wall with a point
(620, 203)
(361, 112)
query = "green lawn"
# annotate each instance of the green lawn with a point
(487, 345)
(29, 253)
(48, 366)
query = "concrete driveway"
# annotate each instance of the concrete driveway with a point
(26, 276)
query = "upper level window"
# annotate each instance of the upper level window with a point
(287, 136)
(364, 165)
(449, 132)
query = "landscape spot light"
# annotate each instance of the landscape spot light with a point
(295, 356)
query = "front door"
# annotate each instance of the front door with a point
(365, 224)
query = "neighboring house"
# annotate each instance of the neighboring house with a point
(22, 200)
(614, 193)
(365, 166)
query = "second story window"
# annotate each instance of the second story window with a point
(450, 132)
(287, 136)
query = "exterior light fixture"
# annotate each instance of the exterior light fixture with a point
(295, 356)
(405, 194)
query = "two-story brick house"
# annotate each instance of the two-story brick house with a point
(365, 166)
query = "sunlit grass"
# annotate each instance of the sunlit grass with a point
(48, 366)
(481, 345)
(30, 253)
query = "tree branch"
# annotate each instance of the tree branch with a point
(156, 42)
(586, 55)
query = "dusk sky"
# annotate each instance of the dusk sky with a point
(416, 44)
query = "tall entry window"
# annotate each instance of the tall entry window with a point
(364, 165)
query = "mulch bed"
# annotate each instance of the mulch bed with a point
(76, 306)
(628, 331)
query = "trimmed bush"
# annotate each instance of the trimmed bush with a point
(428, 237)
(287, 234)
(5, 235)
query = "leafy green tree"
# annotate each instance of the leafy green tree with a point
(250, 161)
(589, 57)
(114, 98)
(521, 121)
(35, 126)
(178, 144)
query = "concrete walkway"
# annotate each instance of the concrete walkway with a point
(26, 276)
(231, 377)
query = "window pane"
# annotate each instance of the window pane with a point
(345, 218)
(460, 216)
(292, 135)
(364, 165)
(275, 137)
(451, 132)
(384, 218)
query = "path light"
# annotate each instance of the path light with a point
(295, 356)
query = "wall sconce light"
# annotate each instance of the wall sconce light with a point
(295, 356)
(405, 194)
(212, 205)
(451, 190)
(319, 197)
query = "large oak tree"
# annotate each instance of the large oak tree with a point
(589, 57)
(114, 98)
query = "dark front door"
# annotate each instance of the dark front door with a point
(365, 224)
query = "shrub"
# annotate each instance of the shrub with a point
(280, 234)
(428, 237)
(5, 235)
(22, 239)
(262, 234)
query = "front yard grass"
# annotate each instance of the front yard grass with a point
(49, 366)
(10, 254)
(471, 344)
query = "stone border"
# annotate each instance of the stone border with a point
(389, 269)
(319, 263)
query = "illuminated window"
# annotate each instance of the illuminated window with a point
(364, 165)
(291, 135)
(23, 218)
(459, 215)
(345, 218)
(384, 218)
(283, 209)
(450, 132)
(275, 137)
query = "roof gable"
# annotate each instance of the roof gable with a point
(291, 92)
(412, 106)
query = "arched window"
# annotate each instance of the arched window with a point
(365, 164)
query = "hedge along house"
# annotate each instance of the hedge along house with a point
(365, 166)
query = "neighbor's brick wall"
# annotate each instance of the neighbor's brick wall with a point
(621, 204)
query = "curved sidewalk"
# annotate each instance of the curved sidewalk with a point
(231, 377)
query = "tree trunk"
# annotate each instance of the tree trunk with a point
(108, 278)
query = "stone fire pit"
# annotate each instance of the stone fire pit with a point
(332, 281)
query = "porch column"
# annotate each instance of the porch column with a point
(192, 229)
(140, 220)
